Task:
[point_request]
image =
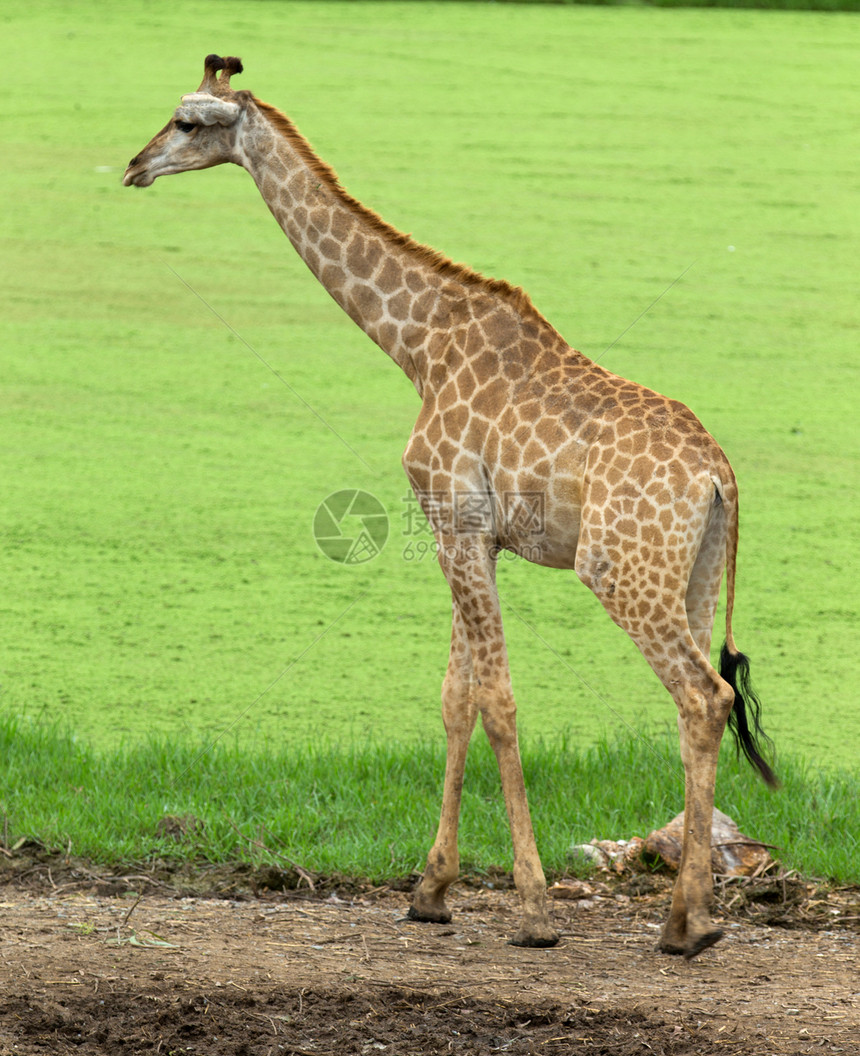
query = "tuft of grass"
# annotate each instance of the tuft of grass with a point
(370, 810)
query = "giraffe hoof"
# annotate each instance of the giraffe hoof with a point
(429, 916)
(692, 950)
(535, 940)
(703, 942)
(671, 948)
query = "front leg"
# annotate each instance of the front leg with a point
(469, 564)
(498, 712)
(459, 712)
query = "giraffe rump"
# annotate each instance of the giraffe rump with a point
(735, 670)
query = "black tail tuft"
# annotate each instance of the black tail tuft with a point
(735, 669)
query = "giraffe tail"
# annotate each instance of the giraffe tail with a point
(745, 716)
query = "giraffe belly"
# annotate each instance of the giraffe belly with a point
(539, 507)
(537, 514)
(540, 531)
(545, 554)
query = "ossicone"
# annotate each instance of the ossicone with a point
(226, 65)
(213, 63)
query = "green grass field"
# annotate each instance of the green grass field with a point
(289, 805)
(159, 479)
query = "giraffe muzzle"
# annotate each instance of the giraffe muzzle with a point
(136, 175)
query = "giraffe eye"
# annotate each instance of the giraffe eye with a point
(185, 126)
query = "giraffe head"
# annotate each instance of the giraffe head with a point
(201, 132)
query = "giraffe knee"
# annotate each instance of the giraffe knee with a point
(724, 700)
(455, 689)
(499, 719)
(703, 712)
(459, 710)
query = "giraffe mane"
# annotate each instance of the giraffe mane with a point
(444, 266)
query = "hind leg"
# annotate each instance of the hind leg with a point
(648, 600)
(703, 588)
(704, 702)
(700, 719)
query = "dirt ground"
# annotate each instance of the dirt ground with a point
(135, 964)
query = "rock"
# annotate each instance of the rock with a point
(615, 855)
(571, 889)
(732, 853)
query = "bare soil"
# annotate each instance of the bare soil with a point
(140, 964)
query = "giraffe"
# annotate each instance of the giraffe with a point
(521, 444)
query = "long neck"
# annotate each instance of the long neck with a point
(404, 296)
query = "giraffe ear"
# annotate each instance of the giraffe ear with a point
(200, 108)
